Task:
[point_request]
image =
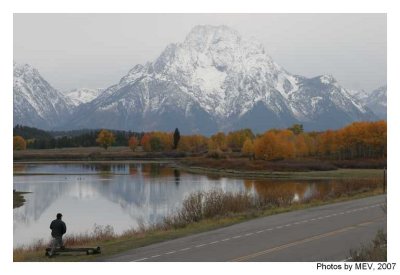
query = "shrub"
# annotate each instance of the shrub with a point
(19, 143)
(373, 252)
(216, 154)
(211, 204)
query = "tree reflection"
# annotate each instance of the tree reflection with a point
(177, 175)
(286, 192)
(19, 168)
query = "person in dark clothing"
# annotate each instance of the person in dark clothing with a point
(58, 229)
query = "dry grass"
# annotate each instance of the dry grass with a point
(243, 164)
(374, 252)
(217, 203)
(205, 205)
(91, 153)
(361, 164)
(18, 199)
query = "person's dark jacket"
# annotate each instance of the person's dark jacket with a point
(58, 228)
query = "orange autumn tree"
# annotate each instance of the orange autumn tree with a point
(193, 143)
(301, 146)
(266, 147)
(166, 140)
(355, 141)
(19, 143)
(132, 143)
(377, 138)
(157, 141)
(286, 139)
(363, 140)
(235, 140)
(217, 141)
(145, 142)
(105, 139)
(248, 148)
(328, 143)
(275, 144)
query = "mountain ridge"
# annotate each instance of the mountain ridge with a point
(36, 102)
(216, 80)
(224, 76)
(376, 100)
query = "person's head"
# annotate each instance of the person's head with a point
(59, 215)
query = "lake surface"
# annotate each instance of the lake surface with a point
(125, 195)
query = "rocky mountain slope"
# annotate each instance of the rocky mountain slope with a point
(375, 100)
(36, 102)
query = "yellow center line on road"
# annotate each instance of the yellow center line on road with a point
(310, 239)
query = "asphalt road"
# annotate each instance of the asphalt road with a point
(325, 233)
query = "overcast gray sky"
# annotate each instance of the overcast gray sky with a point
(96, 50)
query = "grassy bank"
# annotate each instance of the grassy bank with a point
(315, 175)
(90, 154)
(187, 221)
(240, 164)
(18, 198)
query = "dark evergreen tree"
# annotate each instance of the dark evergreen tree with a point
(296, 129)
(177, 137)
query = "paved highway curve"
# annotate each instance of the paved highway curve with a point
(324, 233)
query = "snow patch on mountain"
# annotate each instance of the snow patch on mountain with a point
(376, 100)
(83, 95)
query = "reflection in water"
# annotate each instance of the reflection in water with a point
(305, 190)
(280, 192)
(19, 168)
(121, 195)
(177, 175)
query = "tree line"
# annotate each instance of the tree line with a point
(40, 139)
(357, 140)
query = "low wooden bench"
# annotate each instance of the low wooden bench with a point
(87, 250)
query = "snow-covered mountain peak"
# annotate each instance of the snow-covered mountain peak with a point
(376, 100)
(327, 79)
(220, 46)
(83, 95)
(211, 63)
(36, 102)
(380, 91)
(25, 70)
(202, 37)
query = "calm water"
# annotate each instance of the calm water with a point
(125, 195)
